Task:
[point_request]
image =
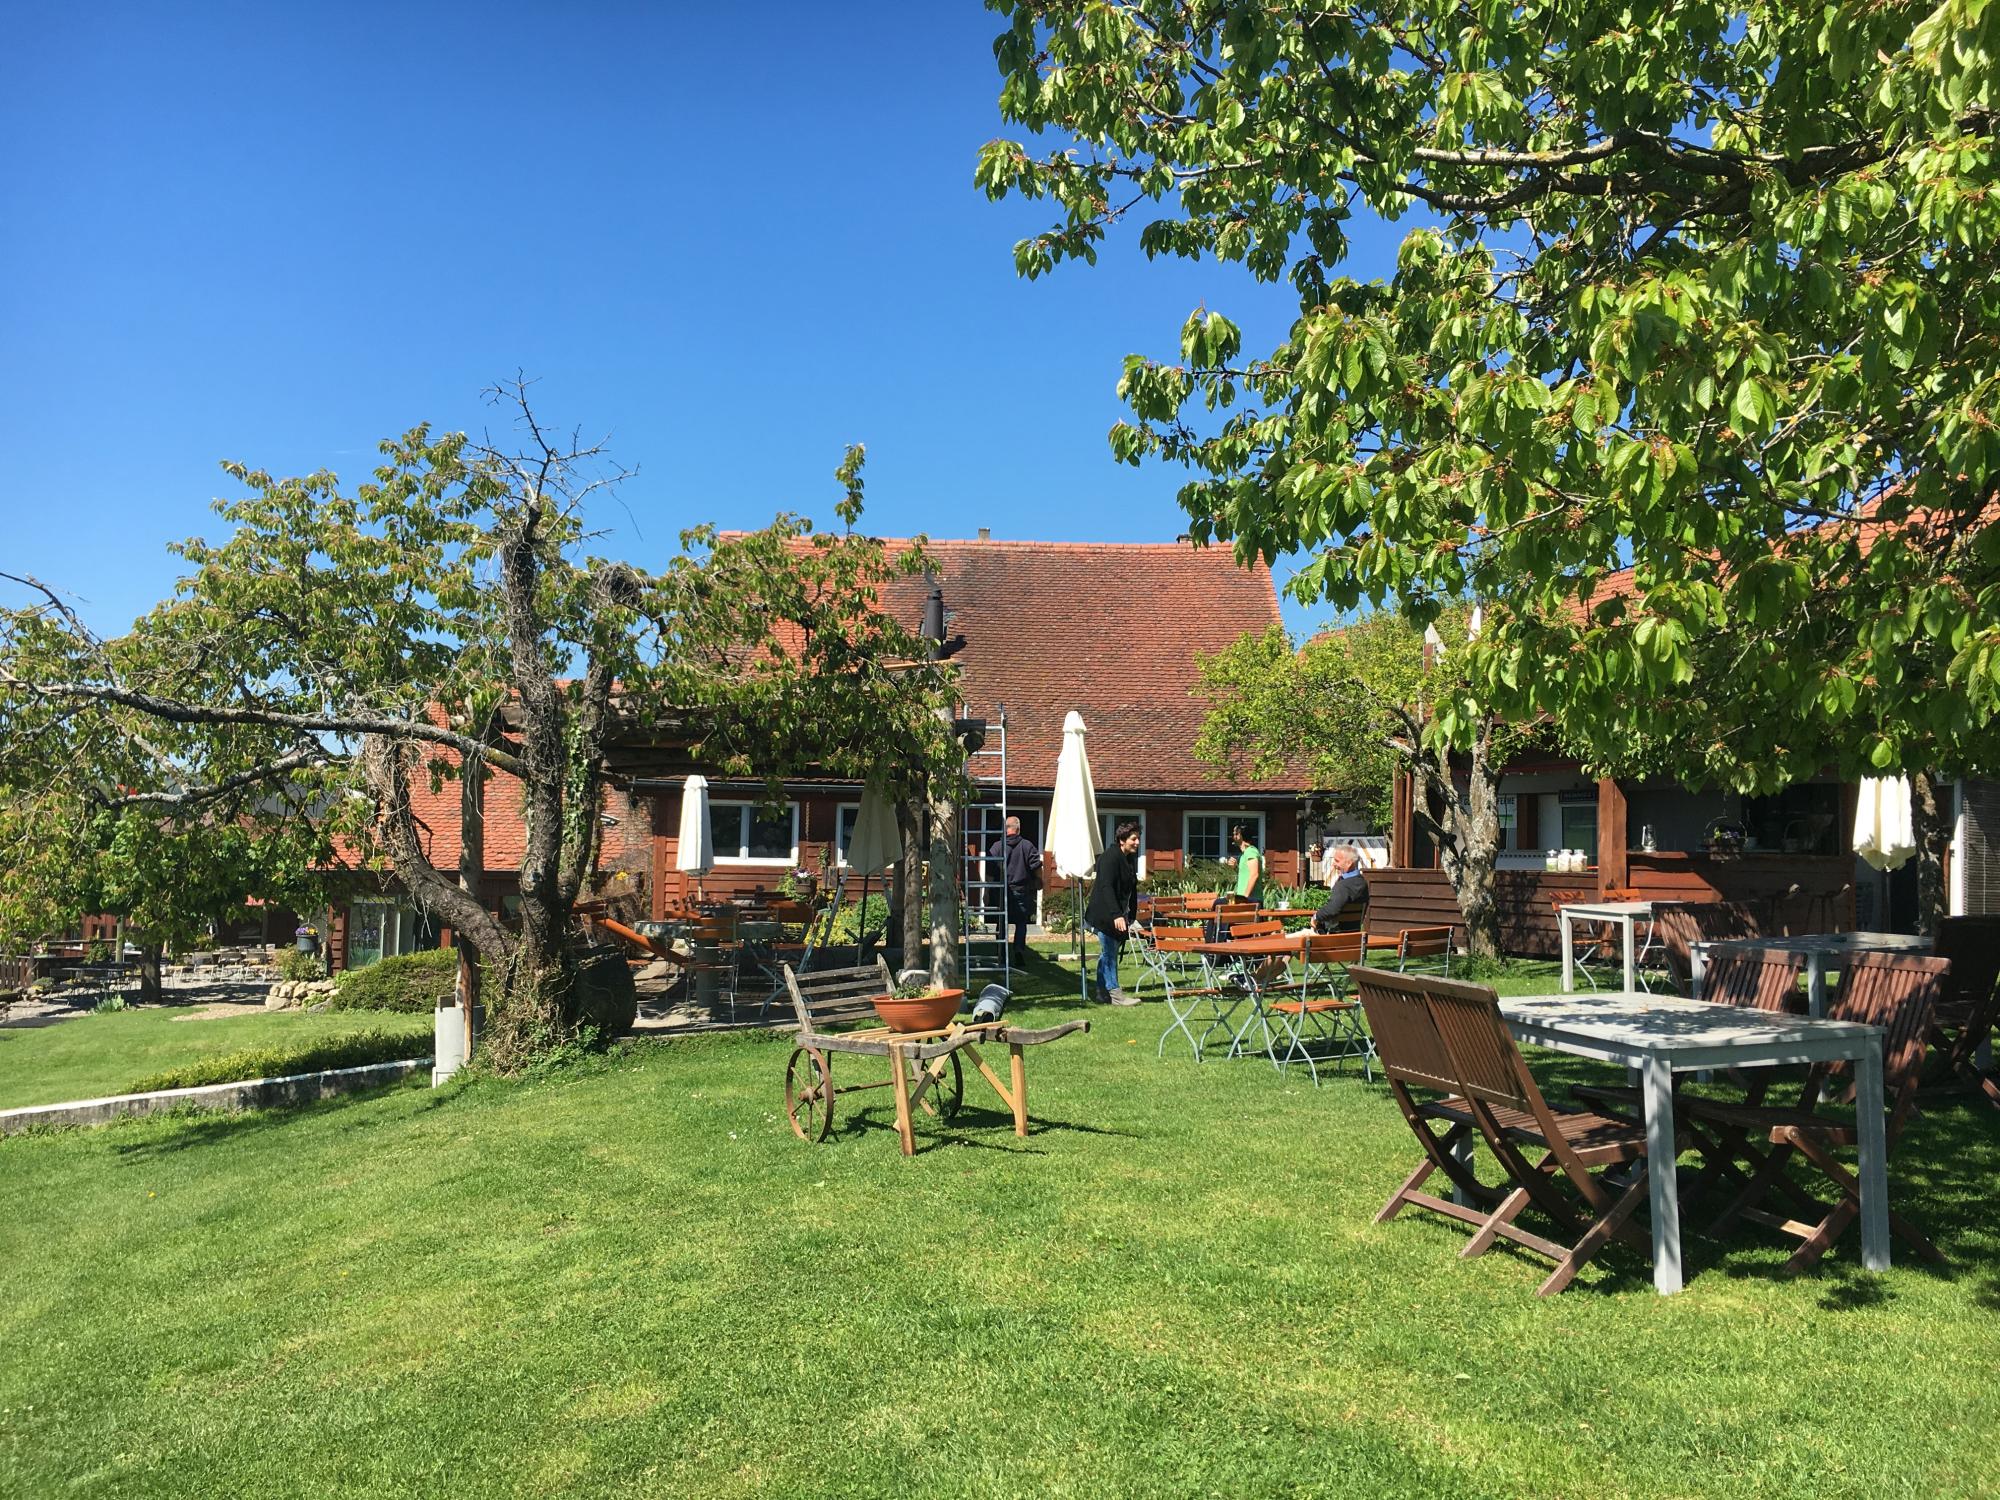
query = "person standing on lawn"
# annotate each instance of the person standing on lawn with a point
(1024, 877)
(1113, 908)
(1249, 866)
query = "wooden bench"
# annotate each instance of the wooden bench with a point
(924, 1066)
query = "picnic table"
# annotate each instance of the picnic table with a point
(1660, 1036)
(1821, 951)
(1626, 914)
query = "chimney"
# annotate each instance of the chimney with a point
(986, 533)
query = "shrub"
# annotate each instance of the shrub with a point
(848, 922)
(281, 1061)
(1201, 875)
(293, 964)
(610, 1001)
(408, 982)
(97, 951)
(1059, 909)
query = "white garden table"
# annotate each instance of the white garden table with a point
(1626, 914)
(1820, 950)
(1660, 1037)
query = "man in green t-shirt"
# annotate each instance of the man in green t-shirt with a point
(1249, 865)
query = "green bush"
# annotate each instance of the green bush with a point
(409, 982)
(1202, 875)
(1059, 909)
(280, 1062)
(293, 964)
(848, 921)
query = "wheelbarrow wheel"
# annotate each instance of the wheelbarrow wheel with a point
(944, 1097)
(809, 1094)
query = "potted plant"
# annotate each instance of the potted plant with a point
(307, 937)
(918, 1006)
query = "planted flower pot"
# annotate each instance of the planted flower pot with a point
(927, 1012)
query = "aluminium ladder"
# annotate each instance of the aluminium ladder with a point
(982, 883)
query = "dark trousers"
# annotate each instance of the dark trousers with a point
(1020, 912)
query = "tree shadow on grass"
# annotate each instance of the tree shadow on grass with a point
(203, 1128)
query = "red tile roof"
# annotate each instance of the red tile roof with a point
(1109, 629)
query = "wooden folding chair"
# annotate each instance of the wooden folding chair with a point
(1962, 1025)
(1590, 942)
(1423, 945)
(1413, 1057)
(1895, 991)
(1508, 1107)
(1679, 925)
(1191, 991)
(1331, 1018)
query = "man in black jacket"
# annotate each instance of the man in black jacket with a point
(1113, 908)
(1023, 863)
(1346, 905)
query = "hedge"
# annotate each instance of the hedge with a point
(281, 1062)
(414, 982)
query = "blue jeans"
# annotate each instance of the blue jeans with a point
(1109, 943)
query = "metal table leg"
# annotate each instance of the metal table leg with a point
(1661, 1181)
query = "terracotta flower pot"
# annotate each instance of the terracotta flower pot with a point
(928, 1013)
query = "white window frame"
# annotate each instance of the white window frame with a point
(1240, 815)
(735, 855)
(1111, 817)
(841, 812)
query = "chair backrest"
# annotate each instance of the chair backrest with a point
(1898, 992)
(1199, 901)
(1559, 899)
(834, 997)
(1755, 981)
(1261, 927)
(1406, 1038)
(1483, 1054)
(1423, 942)
(1335, 947)
(1680, 924)
(1353, 918)
(1175, 939)
(1973, 946)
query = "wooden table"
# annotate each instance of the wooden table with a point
(1625, 913)
(1821, 951)
(1660, 1037)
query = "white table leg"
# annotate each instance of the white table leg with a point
(1569, 953)
(1816, 984)
(1872, 1141)
(1631, 975)
(1661, 1181)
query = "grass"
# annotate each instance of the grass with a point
(630, 1278)
(106, 1054)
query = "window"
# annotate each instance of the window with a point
(1578, 826)
(1504, 805)
(1206, 835)
(382, 929)
(843, 827)
(1107, 830)
(745, 833)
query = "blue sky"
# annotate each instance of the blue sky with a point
(732, 238)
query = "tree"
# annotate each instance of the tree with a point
(447, 621)
(1705, 290)
(1353, 704)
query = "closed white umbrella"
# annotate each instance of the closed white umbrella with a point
(1075, 840)
(875, 843)
(1884, 834)
(695, 851)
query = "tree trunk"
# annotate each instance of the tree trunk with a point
(1465, 823)
(152, 991)
(910, 882)
(943, 886)
(1930, 818)
(471, 866)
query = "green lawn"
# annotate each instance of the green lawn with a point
(96, 1055)
(631, 1279)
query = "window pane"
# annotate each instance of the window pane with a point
(844, 834)
(725, 829)
(770, 834)
(1205, 837)
(1579, 827)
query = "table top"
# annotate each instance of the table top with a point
(1665, 1025)
(1257, 947)
(1810, 943)
(1609, 908)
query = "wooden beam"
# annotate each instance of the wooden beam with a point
(1612, 863)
